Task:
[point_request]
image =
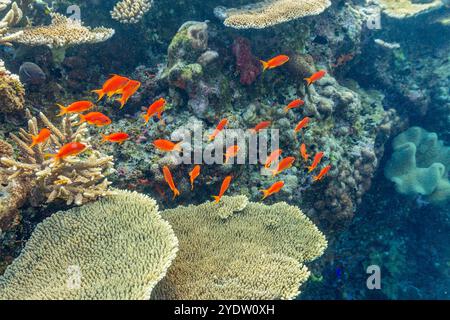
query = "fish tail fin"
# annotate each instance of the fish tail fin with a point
(216, 198)
(176, 193)
(34, 141)
(104, 138)
(178, 146)
(310, 168)
(146, 118)
(316, 178)
(62, 110)
(264, 64)
(308, 81)
(286, 109)
(100, 94)
(51, 155)
(265, 194)
(82, 120)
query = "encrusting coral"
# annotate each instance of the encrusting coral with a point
(131, 11)
(76, 180)
(12, 92)
(115, 248)
(420, 165)
(239, 250)
(270, 12)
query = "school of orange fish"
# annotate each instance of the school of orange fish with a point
(126, 88)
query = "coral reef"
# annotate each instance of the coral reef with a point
(420, 165)
(115, 248)
(131, 11)
(12, 92)
(247, 64)
(406, 8)
(12, 17)
(270, 12)
(76, 180)
(239, 250)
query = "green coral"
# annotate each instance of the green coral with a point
(420, 165)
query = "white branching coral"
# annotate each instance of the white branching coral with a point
(12, 17)
(270, 12)
(131, 11)
(78, 179)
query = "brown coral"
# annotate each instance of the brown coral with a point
(12, 92)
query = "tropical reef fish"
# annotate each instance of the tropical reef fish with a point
(167, 146)
(157, 108)
(169, 179)
(127, 91)
(112, 86)
(76, 107)
(315, 77)
(261, 126)
(284, 164)
(275, 188)
(274, 62)
(67, 150)
(118, 137)
(31, 73)
(42, 137)
(322, 173)
(95, 118)
(231, 152)
(303, 152)
(219, 128)
(223, 188)
(302, 124)
(317, 158)
(294, 104)
(272, 158)
(194, 174)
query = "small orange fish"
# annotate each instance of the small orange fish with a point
(118, 137)
(76, 107)
(274, 62)
(219, 128)
(261, 126)
(95, 118)
(315, 77)
(272, 158)
(42, 137)
(294, 104)
(194, 174)
(284, 164)
(231, 152)
(157, 108)
(112, 86)
(169, 179)
(167, 146)
(67, 150)
(223, 188)
(322, 173)
(127, 91)
(275, 188)
(318, 157)
(303, 152)
(302, 124)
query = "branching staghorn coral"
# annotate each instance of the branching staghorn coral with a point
(131, 11)
(406, 8)
(76, 180)
(239, 250)
(12, 92)
(12, 17)
(270, 12)
(115, 248)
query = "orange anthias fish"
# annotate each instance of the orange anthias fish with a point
(315, 77)
(284, 164)
(95, 118)
(157, 108)
(231, 152)
(67, 150)
(167, 146)
(112, 86)
(275, 188)
(318, 157)
(322, 173)
(127, 91)
(274, 62)
(261, 126)
(219, 128)
(272, 158)
(302, 124)
(76, 107)
(223, 188)
(169, 179)
(194, 174)
(303, 152)
(118, 137)
(42, 137)
(294, 104)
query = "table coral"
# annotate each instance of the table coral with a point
(115, 248)
(406, 8)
